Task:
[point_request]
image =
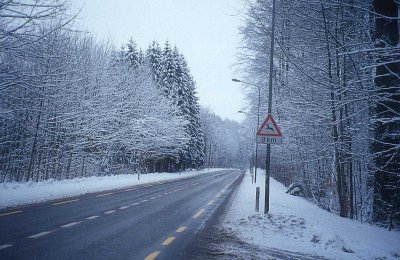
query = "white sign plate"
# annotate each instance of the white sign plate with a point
(269, 140)
(269, 132)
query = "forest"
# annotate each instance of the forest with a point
(336, 99)
(72, 106)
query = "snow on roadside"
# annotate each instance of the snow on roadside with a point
(297, 225)
(17, 193)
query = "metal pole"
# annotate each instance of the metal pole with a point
(271, 70)
(257, 199)
(209, 156)
(258, 125)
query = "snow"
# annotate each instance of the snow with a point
(297, 225)
(17, 193)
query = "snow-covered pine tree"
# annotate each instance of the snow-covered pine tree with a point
(169, 70)
(154, 60)
(188, 104)
(132, 54)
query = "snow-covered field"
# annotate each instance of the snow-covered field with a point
(295, 224)
(16, 193)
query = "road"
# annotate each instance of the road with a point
(150, 221)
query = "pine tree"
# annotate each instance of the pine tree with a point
(172, 75)
(169, 70)
(154, 60)
(190, 108)
(132, 55)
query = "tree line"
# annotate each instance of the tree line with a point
(336, 98)
(226, 144)
(71, 106)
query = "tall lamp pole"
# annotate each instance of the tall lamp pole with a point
(271, 70)
(258, 121)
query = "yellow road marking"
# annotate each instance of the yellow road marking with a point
(152, 255)
(11, 213)
(64, 202)
(105, 194)
(181, 229)
(198, 213)
(210, 202)
(168, 241)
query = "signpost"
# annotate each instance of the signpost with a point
(269, 132)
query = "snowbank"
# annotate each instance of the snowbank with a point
(16, 193)
(295, 224)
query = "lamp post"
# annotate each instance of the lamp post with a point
(252, 153)
(258, 121)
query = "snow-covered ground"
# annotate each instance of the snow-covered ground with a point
(16, 193)
(295, 224)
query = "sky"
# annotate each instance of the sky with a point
(205, 31)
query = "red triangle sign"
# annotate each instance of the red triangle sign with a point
(269, 128)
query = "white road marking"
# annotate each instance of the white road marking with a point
(64, 202)
(159, 195)
(124, 207)
(129, 189)
(105, 194)
(152, 198)
(5, 246)
(70, 224)
(92, 217)
(10, 213)
(135, 203)
(144, 201)
(166, 193)
(109, 212)
(40, 234)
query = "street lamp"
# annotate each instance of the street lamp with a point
(258, 120)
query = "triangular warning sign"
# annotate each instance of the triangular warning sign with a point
(269, 128)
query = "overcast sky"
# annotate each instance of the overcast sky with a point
(205, 31)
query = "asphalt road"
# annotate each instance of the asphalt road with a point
(151, 221)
